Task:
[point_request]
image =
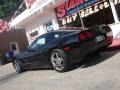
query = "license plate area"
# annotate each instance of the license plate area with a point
(99, 38)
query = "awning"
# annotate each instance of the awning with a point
(29, 13)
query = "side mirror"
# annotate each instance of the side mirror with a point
(26, 49)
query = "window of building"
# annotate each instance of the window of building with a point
(49, 26)
(92, 12)
(102, 14)
(33, 34)
(13, 47)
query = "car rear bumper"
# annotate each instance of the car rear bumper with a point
(77, 54)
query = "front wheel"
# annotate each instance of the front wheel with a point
(59, 60)
(18, 66)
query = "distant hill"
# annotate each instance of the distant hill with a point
(8, 8)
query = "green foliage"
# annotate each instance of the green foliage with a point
(8, 7)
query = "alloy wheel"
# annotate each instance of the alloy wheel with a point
(57, 61)
(17, 66)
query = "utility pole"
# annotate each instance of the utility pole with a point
(116, 19)
(80, 16)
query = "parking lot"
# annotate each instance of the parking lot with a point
(101, 72)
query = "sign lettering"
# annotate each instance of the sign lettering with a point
(68, 12)
(86, 12)
(69, 7)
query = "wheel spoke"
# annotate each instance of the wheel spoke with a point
(57, 61)
(17, 67)
(57, 56)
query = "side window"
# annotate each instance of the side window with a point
(37, 43)
(41, 41)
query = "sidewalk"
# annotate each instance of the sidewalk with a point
(6, 70)
(114, 46)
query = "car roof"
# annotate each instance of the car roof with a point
(63, 31)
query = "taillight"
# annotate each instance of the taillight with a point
(89, 34)
(66, 49)
(85, 35)
(82, 36)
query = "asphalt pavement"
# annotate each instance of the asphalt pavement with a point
(100, 72)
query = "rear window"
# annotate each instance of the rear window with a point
(67, 32)
(56, 35)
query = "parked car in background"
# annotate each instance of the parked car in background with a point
(62, 48)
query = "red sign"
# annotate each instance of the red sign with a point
(74, 10)
(70, 4)
(29, 3)
(4, 27)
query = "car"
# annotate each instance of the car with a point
(60, 49)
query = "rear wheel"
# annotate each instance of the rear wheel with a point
(59, 60)
(18, 65)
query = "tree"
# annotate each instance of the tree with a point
(1, 2)
(8, 7)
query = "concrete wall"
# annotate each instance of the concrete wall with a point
(116, 30)
(37, 24)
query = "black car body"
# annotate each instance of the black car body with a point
(68, 46)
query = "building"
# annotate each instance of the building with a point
(42, 16)
(14, 40)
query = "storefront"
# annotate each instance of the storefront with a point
(43, 16)
(88, 13)
(92, 12)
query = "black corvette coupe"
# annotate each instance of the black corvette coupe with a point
(62, 48)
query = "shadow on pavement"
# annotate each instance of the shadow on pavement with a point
(94, 60)
(88, 61)
(9, 77)
(37, 69)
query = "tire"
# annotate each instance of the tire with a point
(59, 60)
(18, 66)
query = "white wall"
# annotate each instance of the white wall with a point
(116, 30)
(38, 22)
